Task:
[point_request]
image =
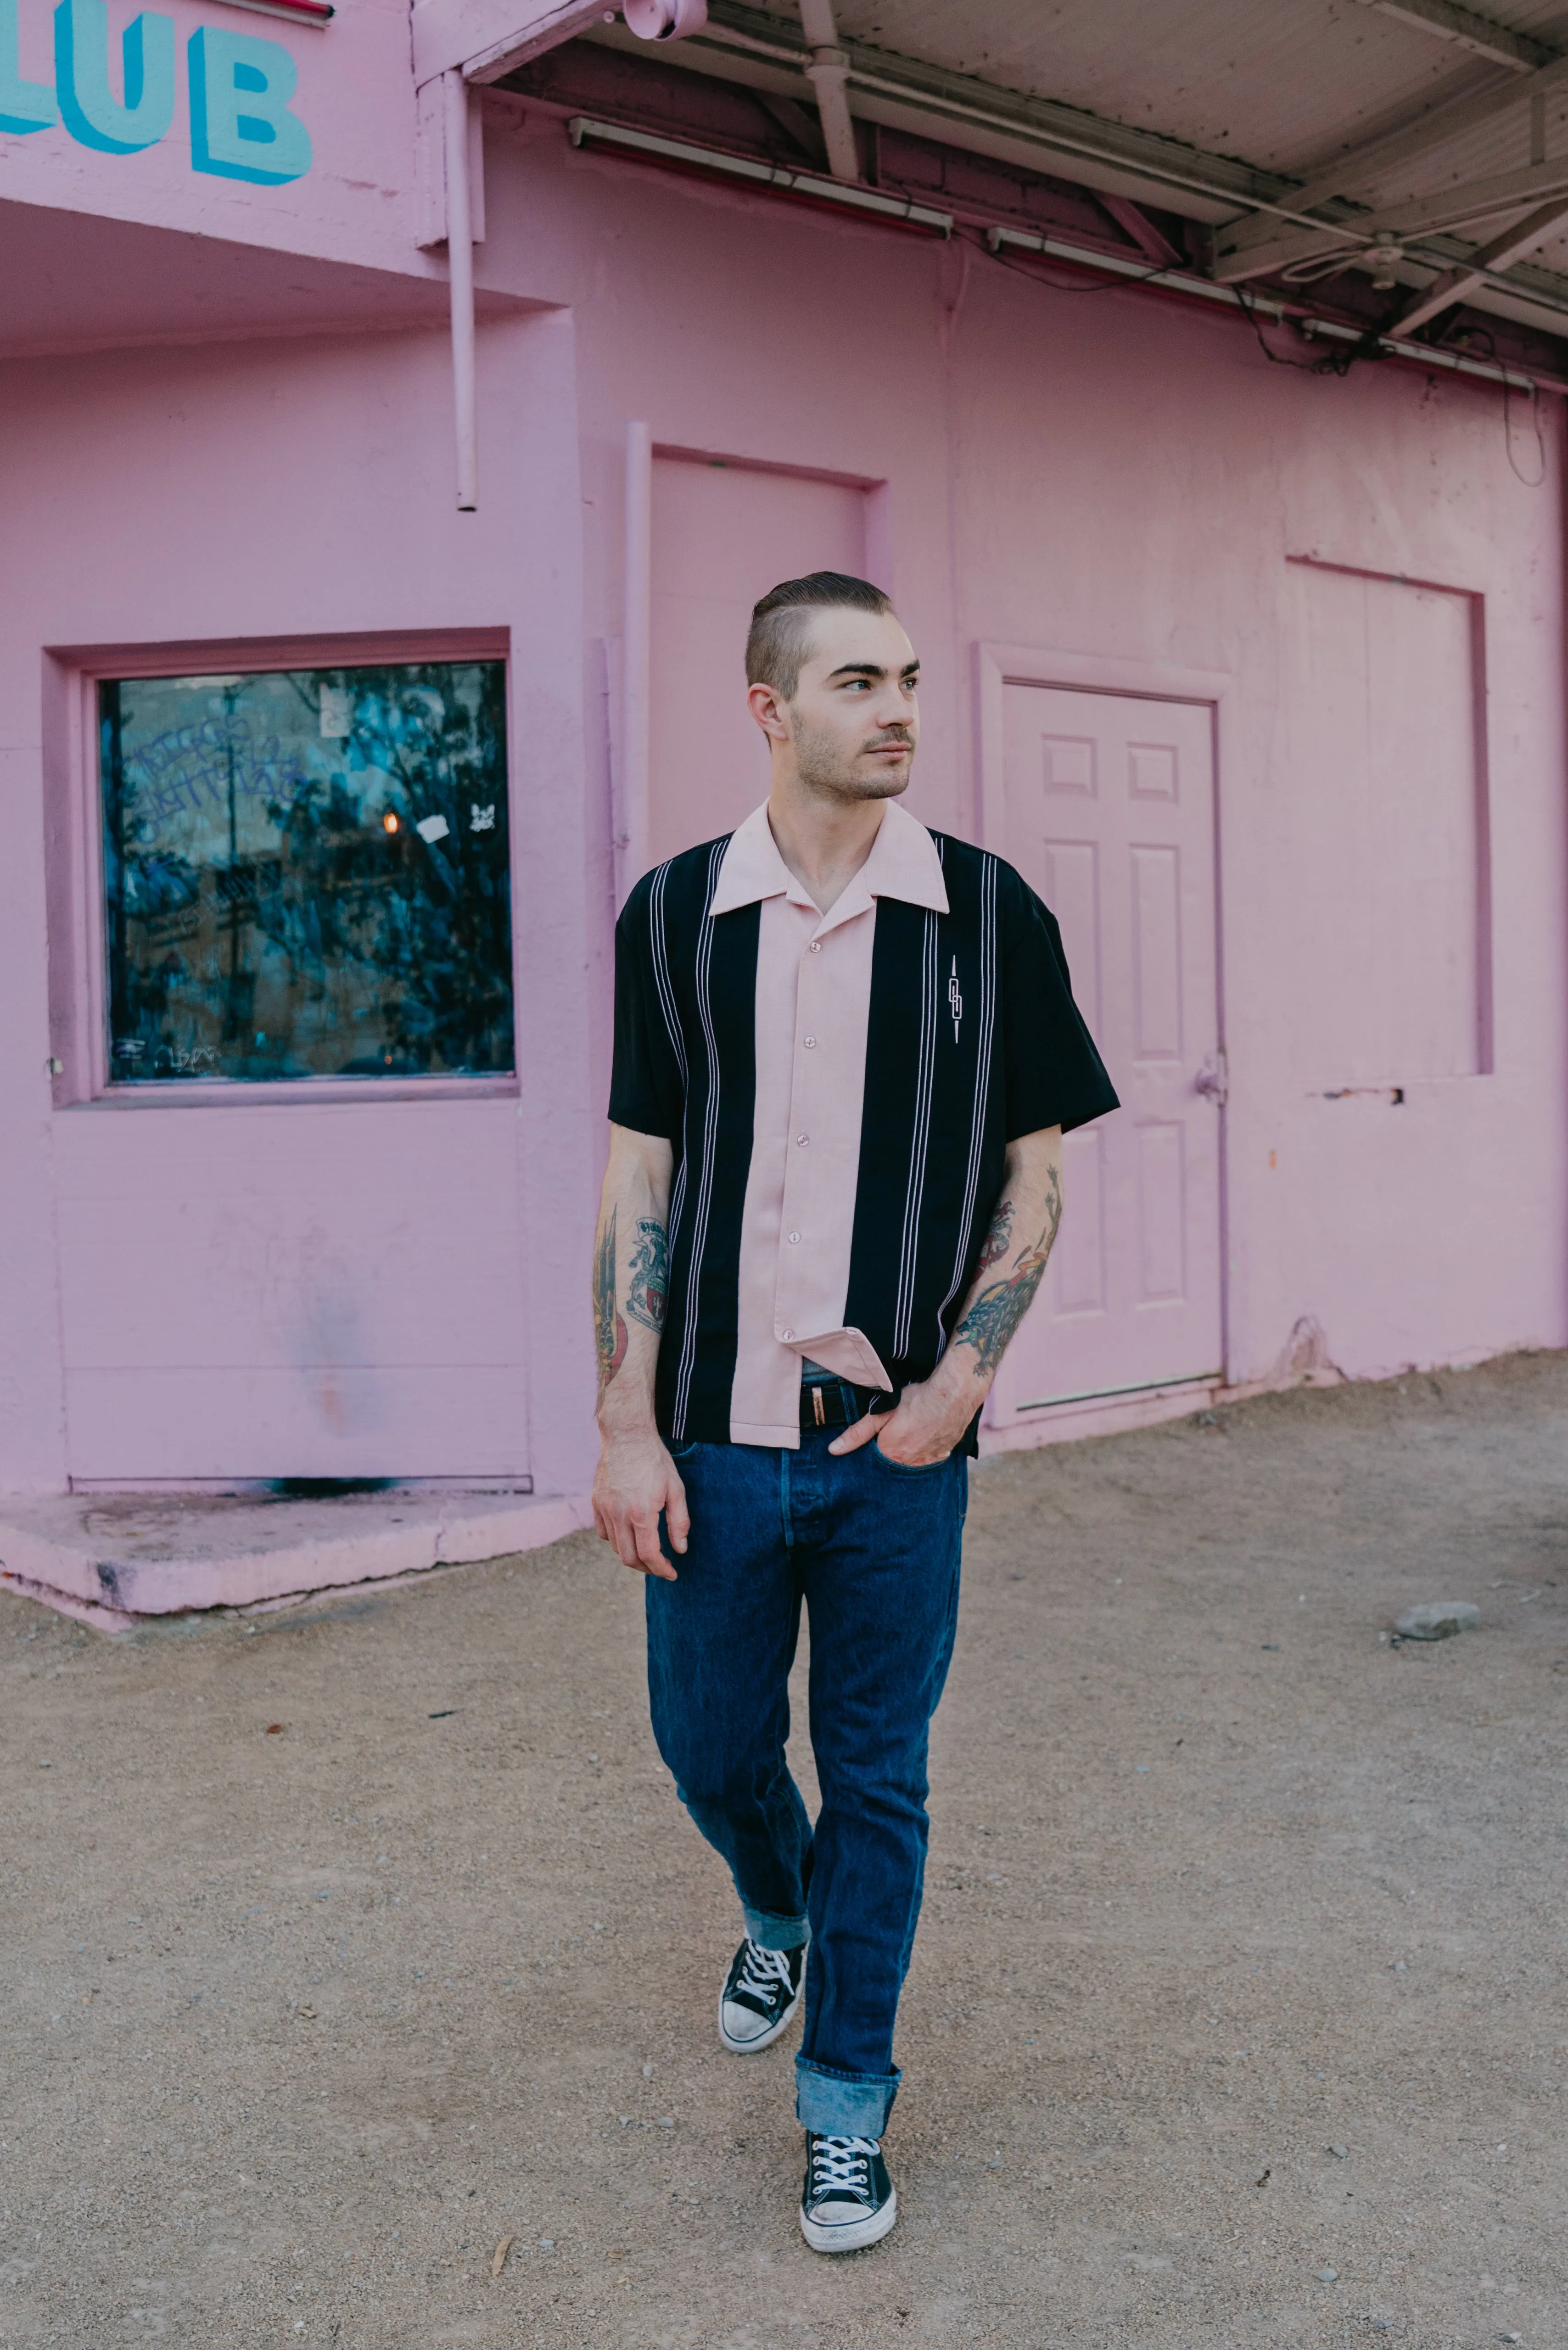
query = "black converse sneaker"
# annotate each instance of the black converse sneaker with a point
(761, 1994)
(848, 2199)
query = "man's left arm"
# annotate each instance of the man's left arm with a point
(930, 1417)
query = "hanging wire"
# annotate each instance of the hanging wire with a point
(1337, 360)
(1508, 434)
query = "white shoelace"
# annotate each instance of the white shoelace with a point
(843, 2164)
(763, 1969)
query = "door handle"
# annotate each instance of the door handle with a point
(1213, 1079)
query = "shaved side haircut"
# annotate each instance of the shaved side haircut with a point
(780, 636)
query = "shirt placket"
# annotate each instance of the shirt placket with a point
(809, 1111)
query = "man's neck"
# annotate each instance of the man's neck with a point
(823, 842)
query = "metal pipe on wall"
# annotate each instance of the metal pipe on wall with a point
(828, 73)
(459, 276)
(636, 631)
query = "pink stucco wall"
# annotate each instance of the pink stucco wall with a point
(1106, 479)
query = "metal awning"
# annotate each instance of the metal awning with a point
(1417, 142)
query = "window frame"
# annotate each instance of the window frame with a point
(77, 909)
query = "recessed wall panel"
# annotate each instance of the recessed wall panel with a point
(1382, 822)
(723, 535)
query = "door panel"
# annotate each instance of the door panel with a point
(1110, 816)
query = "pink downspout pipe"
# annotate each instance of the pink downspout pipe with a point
(460, 274)
(637, 623)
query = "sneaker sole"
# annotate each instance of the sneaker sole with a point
(855, 2235)
(764, 2039)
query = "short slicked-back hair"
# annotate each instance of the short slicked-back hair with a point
(780, 636)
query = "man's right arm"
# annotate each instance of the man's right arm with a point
(636, 1479)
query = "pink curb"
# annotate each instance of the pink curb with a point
(115, 1561)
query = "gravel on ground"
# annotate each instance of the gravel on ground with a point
(361, 1969)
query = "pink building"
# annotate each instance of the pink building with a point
(366, 630)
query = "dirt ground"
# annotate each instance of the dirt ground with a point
(301, 2024)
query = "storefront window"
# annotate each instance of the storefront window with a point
(306, 874)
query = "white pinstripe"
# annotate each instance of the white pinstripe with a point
(667, 1005)
(710, 1150)
(981, 1081)
(915, 1194)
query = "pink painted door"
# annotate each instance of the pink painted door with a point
(1110, 816)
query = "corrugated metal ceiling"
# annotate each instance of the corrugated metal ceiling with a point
(1280, 84)
(1277, 87)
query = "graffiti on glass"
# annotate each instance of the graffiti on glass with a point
(295, 886)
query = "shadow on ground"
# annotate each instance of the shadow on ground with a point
(1236, 2017)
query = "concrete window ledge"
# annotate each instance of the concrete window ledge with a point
(118, 1561)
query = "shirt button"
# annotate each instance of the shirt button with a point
(811, 1044)
(789, 1334)
(816, 946)
(793, 1238)
(802, 1141)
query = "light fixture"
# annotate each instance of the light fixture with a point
(1383, 261)
(389, 822)
(664, 20)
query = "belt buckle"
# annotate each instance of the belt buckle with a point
(817, 1406)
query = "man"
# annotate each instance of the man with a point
(845, 1053)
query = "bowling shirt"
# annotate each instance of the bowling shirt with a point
(839, 1090)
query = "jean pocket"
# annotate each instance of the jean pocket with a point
(680, 1452)
(910, 1468)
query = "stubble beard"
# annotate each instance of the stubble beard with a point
(823, 769)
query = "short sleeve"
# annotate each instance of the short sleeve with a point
(1053, 1075)
(646, 1094)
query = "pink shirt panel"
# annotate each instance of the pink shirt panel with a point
(813, 1009)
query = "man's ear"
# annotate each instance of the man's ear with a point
(767, 707)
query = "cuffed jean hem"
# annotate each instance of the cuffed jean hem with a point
(772, 1933)
(842, 2104)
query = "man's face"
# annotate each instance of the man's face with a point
(854, 722)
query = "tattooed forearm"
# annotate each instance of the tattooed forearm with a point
(649, 1274)
(996, 1313)
(995, 1245)
(609, 1330)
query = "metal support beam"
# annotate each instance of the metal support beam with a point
(1466, 30)
(1458, 283)
(1478, 200)
(1133, 222)
(459, 276)
(1363, 167)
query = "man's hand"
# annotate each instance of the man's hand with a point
(923, 1427)
(635, 1481)
(932, 1416)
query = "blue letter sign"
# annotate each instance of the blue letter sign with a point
(24, 105)
(241, 128)
(91, 112)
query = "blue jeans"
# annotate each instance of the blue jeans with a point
(872, 1548)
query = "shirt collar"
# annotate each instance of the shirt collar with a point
(903, 863)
